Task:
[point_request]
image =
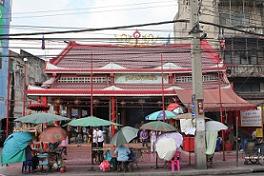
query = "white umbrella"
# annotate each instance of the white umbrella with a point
(215, 126)
(166, 148)
(174, 135)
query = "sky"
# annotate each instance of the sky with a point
(53, 15)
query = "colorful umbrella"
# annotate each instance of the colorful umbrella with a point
(158, 115)
(53, 134)
(172, 106)
(175, 108)
(166, 148)
(124, 136)
(38, 118)
(91, 121)
(14, 147)
(158, 126)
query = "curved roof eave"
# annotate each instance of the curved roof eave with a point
(154, 70)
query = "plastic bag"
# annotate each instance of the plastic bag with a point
(104, 166)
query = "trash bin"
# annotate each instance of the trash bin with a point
(188, 144)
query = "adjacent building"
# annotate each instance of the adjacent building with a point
(243, 53)
(4, 60)
(24, 69)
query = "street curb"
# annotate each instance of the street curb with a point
(181, 173)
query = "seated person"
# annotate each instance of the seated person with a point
(122, 153)
(53, 146)
(112, 160)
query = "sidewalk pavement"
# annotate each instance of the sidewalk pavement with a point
(78, 163)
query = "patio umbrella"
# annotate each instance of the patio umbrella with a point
(91, 121)
(158, 115)
(158, 126)
(215, 126)
(14, 147)
(38, 118)
(124, 136)
(172, 106)
(175, 107)
(166, 148)
(172, 135)
(53, 134)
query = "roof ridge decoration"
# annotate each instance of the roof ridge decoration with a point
(174, 88)
(169, 66)
(47, 83)
(31, 87)
(112, 88)
(50, 66)
(112, 65)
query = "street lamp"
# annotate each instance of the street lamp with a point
(25, 86)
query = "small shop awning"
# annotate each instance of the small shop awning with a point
(229, 99)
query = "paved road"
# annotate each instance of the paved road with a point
(78, 164)
(249, 174)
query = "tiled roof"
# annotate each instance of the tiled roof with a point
(131, 57)
(107, 86)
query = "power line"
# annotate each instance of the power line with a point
(231, 28)
(129, 26)
(95, 29)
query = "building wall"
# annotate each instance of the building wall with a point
(5, 10)
(207, 8)
(232, 13)
(22, 73)
(33, 71)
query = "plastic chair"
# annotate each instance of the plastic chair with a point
(175, 162)
(43, 160)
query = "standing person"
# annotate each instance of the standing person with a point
(153, 138)
(94, 144)
(100, 141)
(95, 141)
(144, 138)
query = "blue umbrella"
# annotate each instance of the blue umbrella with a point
(14, 147)
(158, 115)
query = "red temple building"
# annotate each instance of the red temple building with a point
(125, 83)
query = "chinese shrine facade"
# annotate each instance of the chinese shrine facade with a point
(126, 83)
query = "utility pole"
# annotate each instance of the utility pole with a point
(197, 97)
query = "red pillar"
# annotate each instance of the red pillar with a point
(57, 111)
(44, 101)
(113, 114)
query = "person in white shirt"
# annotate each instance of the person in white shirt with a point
(95, 141)
(100, 137)
(98, 141)
(153, 138)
